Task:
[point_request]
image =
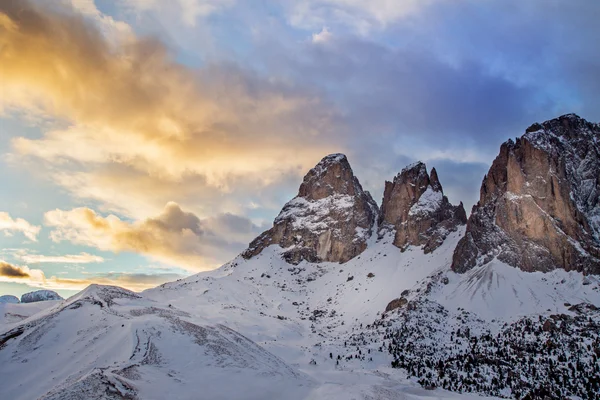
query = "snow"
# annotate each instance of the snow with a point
(314, 214)
(498, 291)
(416, 164)
(429, 202)
(40, 295)
(324, 164)
(256, 324)
(9, 299)
(321, 215)
(13, 313)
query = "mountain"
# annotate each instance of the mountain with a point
(414, 205)
(11, 313)
(539, 207)
(9, 299)
(330, 219)
(334, 303)
(109, 343)
(40, 295)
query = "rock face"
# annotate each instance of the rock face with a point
(539, 206)
(40, 295)
(415, 206)
(330, 219)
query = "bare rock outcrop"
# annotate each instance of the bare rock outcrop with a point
(539, 206)
(415, 206)
(330, 219)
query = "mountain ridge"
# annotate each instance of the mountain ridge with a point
(286, 317)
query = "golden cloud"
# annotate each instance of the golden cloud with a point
(127, 102)
(10, 225)
(37, 278)
(174, 236)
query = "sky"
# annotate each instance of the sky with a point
(142, 141)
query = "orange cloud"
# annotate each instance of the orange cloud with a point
(174, 236)
(37, 278)
(127, 102)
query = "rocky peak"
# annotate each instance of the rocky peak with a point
(332, 175)
(330, 219)
(539, 206)
(414, 206)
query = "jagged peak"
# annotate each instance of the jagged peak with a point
(327, 162)
(333, 158)
(567, 126)
(434, 181)
(330, 219)
(332, 175)
(415, 169)
(414, 203)
(538, 208)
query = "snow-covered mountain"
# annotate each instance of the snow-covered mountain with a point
(328, 304)
(539, 207)
(415, 207)
(9, 299)
(40, 295)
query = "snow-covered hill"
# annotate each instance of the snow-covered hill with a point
(9, 299)
(106, 342)
(40, 295)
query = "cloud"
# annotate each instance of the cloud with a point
(189, 11)
(37, 278)
(174, 236)
(11, 271)
(82, 258)
(127, 103)
(361, 16)
(10, 225)
(322, 36)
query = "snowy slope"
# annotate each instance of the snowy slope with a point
(16, 312)
(107, 342)
(312, 301)
(258, 324)
(499, 291)
(322, 311)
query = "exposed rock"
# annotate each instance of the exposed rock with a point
(330, 219)
(539, 206)
(549, 325)
(40, 295)
(582, 308)
(396, 303)
(415, 206)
